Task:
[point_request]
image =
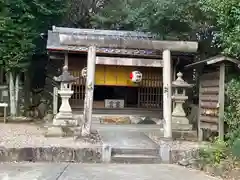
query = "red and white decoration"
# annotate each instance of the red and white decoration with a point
(84, 72)
(136, 76)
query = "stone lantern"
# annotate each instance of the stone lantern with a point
(64, 116)
(179, 97)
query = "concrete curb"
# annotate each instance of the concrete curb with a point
(51, 154)
(78, 155)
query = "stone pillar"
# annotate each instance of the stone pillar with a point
(167, 94)
(88, 101)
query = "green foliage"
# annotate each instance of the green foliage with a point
(172, 18)
(21, 22)
(79, 12)
(236, 149)
(225, 16)
(214, 153)
(16, 40)
(215, 23)
(232, 109)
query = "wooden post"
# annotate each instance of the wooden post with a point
(1, 75)
(5, 114)
(88, 104)
(66, 59)
(174, 75)
(221, 101)
(200, 130)
(167, 94)
(55, 101)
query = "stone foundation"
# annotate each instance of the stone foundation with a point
(51, 154)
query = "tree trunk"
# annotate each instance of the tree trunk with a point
(26, 89)
(17, 93)
(12, 95)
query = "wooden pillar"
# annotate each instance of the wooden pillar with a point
(88, 101)
(1, 75)
(66, 59)
(167, 94)
(200, 130)
(221, 101)
(55, 101)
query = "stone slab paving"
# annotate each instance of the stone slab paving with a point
(41, 171)
(127, 139)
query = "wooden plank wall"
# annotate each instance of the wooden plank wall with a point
(208, 101)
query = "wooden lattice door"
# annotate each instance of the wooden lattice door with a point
(77, 99)
(150, 89)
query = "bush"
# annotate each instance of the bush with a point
(214, 153)
(236, 149)
(232, 110)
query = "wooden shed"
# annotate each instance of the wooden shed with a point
(211, 82)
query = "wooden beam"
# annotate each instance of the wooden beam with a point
(79, 40)
(129, 61)
(221, 101)
(78, 49)
(209, 119)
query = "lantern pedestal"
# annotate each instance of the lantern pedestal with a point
(63, 123)
(65, 116)
(178, 114)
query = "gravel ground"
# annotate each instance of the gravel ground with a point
(31, 135)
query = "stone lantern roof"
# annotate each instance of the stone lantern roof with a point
(65, 77)
(179, 82)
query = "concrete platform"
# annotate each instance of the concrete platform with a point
(64, 171)
(127, 139)
(130, 147)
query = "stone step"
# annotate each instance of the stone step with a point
(128, 127)
(135, 159)
(133, 151)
